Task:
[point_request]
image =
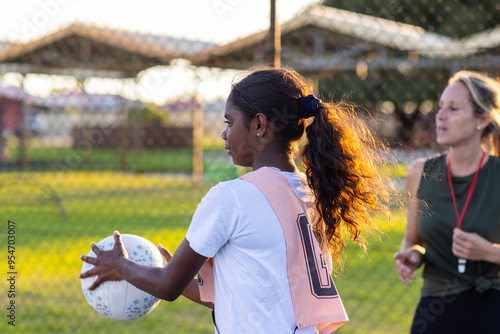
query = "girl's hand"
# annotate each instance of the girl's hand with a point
(165, 252)
(472, 246)
(107, 264)
(406, 263)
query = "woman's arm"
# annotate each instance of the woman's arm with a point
(166, 283)
(410, 256)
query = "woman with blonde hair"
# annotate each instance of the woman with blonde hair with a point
(453, 218)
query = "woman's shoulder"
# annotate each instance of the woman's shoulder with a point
(421, 166)
(420, 162)
(495, 160)
(414, 174)
(441, 157)
(416, 166)
(433, 163)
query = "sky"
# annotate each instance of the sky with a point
(215, 21)
(218, 21)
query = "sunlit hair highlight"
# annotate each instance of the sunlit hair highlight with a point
(342, 163)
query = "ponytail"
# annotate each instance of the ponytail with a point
(340, 164)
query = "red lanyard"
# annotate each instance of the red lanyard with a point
(459, 219)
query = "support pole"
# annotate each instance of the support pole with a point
(123, 135)
(274, 38)
(197, 140)
(24, 130)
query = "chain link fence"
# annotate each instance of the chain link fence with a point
(105, 127)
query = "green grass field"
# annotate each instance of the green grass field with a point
(98, 159)
(58, 215)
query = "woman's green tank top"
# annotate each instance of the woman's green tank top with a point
(437, 219)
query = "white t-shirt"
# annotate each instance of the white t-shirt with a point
(235, 224)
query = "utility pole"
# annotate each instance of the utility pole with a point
(274, 38)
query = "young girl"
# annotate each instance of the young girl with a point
(270, 275)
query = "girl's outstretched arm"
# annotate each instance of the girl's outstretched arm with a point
(166, 283)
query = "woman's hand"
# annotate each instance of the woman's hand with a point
(106, 263)
(406, 263)
(472, 246)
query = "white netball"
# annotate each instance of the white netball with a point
(119, 299)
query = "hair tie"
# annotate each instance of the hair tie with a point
(308, 106)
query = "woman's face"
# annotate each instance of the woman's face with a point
(456, 123)
(240, 144)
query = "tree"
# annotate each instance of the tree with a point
(455, 18)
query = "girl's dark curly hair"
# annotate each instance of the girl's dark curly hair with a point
(339, 156)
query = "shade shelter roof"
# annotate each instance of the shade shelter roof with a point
(325, 38)
(487, 40)
(86, 50)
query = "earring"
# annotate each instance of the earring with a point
(478, 127)
(258, 134)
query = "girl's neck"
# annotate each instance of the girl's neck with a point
(284, 162)
(464, 160)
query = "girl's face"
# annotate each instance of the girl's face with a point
(456, 123)
(241, 145)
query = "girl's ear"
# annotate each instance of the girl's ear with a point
(259, 125)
